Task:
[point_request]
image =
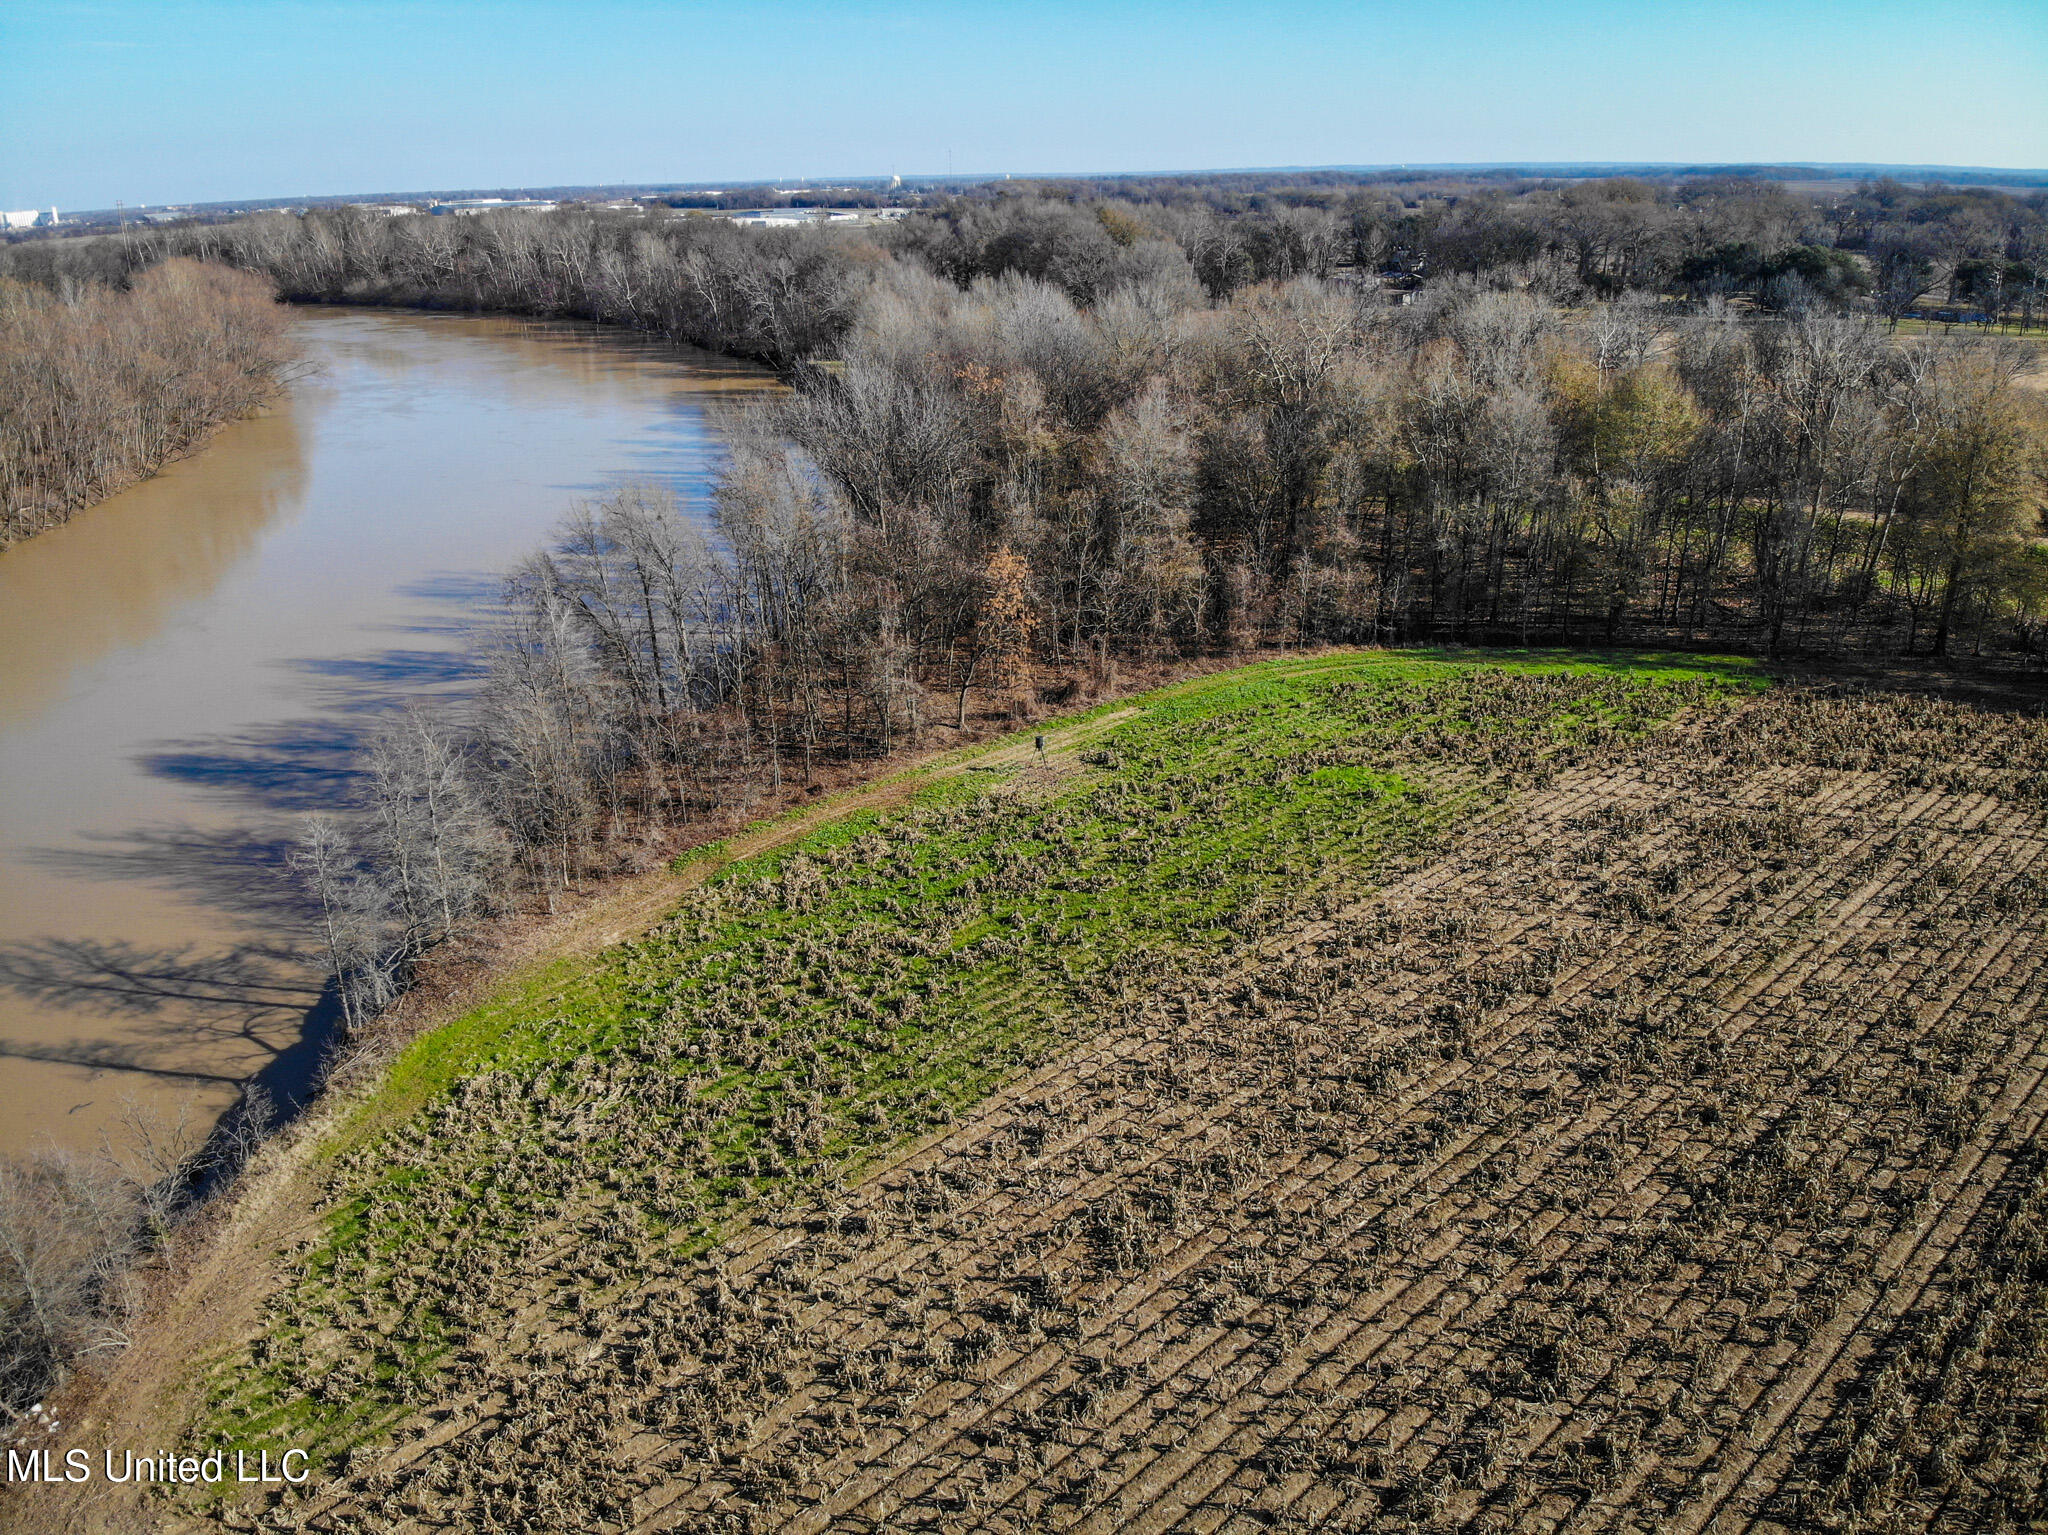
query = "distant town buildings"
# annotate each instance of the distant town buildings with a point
(776, 217)
(465, 205)
(658, 205)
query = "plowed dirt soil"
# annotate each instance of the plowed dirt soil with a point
(1637, 1125)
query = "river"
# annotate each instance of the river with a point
(186, 669)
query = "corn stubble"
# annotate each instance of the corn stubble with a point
(1476, 1099)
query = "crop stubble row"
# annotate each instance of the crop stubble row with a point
(1364, 1236)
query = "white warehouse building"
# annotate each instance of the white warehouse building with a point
(29, 218)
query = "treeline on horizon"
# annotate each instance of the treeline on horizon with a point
(1516, 410)
(1882, 246)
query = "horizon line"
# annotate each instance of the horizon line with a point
(1929, 170)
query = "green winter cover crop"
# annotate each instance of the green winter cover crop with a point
(813, 1008)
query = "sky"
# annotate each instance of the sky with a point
(179, 101)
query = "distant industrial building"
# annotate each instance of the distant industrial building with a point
(783, 217)
(493, 205)
(29, 218)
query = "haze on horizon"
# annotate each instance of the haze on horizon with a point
(209, 100)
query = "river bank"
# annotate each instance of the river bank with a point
(101, 387)
(193, 660)
(207, 1285)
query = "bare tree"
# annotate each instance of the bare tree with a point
(355, 919)
(69, 1229)
(429, 832)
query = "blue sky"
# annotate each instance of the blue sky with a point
(195, 100)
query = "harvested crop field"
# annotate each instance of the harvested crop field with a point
(1364, 1093)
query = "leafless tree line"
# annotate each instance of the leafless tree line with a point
(99, 386)
(1190, 447)
(1883, 244)
(78, 1228)
(787, 295)
(780, 296)
(995, 488)
(637, 674)
(1304, 463)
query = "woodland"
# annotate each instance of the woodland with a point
(101, 385)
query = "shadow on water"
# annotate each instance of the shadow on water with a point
(240, 870)
(298, 767)
(198, 1006)
(263, 1000)
(126, 980)
(307, 766)
(473, 597)
(377, 677)
(461, 588)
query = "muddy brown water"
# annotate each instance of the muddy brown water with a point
(186, 669)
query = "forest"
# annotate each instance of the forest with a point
(101, 385)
